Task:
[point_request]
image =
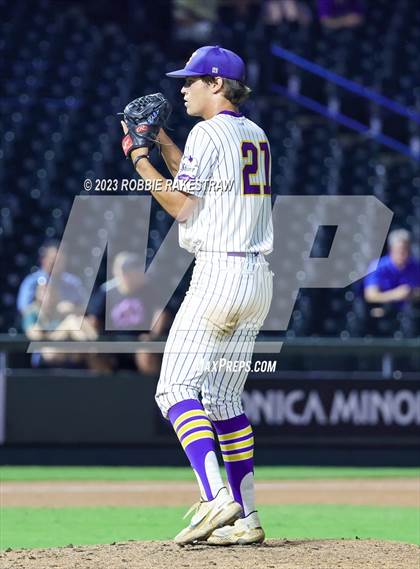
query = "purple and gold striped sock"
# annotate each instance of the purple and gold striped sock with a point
(237, 445)
(195, 432)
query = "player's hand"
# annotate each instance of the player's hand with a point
(143, 119)
(401, 293)
(65, 307)
(141, 151)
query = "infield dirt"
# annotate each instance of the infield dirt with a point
(270, 555)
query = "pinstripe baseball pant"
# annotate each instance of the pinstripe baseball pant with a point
(219, 319)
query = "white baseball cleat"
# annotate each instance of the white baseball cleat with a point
(244, 531)
(216, 513)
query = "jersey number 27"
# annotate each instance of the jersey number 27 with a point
(252, 155)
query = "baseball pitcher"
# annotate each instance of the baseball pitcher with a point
(221, 198)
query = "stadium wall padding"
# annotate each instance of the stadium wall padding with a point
(120, 410)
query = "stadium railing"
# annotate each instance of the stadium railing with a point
(385, 352)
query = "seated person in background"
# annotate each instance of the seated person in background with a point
(118, 307)
(294, 11)
(50, 324)
(337, 14)
(69, 290)
(393, 289)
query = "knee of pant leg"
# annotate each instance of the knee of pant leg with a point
(165, 398)
(162, 403)
(222, 410)
(169, 395)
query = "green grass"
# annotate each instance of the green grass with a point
(28, 473)
(48, 527)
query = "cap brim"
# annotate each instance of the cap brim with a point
(180, 73)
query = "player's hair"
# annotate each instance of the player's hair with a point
(397, 236)
(234, 91)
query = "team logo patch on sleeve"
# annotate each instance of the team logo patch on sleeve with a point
(189, 166)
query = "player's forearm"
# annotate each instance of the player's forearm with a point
(171, 200)
(170, 152)
(376, 296)
(35, 333)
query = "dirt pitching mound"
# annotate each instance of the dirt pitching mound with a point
(325, 554)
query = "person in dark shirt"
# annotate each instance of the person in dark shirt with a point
(118, 307)
(392, 290)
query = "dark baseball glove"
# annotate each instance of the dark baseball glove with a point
(144, 117)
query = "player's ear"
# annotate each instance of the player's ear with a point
(217, 84)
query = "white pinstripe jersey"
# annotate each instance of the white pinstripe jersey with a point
(235, 215)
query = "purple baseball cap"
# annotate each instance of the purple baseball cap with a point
(215, 61)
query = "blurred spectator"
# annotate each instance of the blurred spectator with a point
(283, 22)
(340, 13)
(293, 11)
(194, 21)
(393, 289)
(118, 307)
(70, 292)
(43, 321)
